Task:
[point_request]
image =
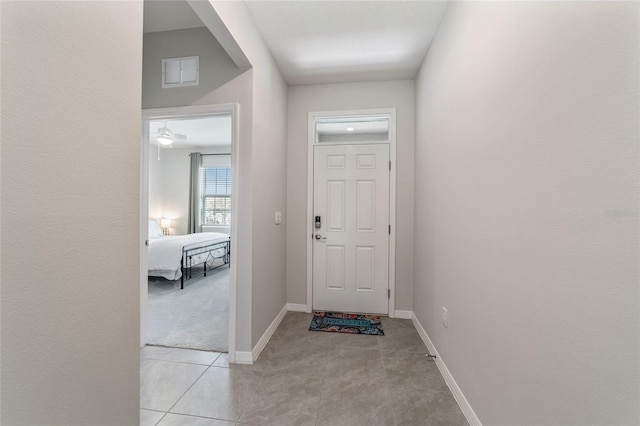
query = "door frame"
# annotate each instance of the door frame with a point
(311, 143)
(172, 113)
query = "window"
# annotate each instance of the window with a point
(352, 129)
(216, 196)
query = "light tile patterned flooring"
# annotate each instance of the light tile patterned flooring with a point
(301, 378)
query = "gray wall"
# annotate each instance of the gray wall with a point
(216, 68)
(269, 193)
(268, 168)
(156, 184)
(173, 197)
(261, 93)
(238, 88)
(526, 184)
(348, 96)
(70, 212)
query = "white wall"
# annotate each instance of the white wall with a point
(332, 97)
(173, 194)
(527, 136)
(70, 212)
(268, 168)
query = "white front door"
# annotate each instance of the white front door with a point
(351, 246)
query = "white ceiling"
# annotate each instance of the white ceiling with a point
(328, 41)
(203, 132)
(167, 15)
(339, 41)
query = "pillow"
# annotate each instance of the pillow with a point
(154, 230)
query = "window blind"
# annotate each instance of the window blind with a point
(216, 196)
(216, 181)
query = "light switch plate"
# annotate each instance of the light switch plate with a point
(278, 218)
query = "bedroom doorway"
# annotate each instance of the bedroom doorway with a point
(187, 278)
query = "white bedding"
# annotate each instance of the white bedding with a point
(165, 253)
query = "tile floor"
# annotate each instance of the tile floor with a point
(301, 378)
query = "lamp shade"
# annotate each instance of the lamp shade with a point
(165, 223)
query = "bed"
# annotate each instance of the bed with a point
(175, 256)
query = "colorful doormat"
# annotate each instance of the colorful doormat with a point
(346, 323)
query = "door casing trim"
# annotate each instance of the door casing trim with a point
(392, 196)
(193, 111)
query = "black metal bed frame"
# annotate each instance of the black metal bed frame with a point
(188, 252)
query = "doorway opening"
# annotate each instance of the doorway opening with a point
(187, 278)
(351, 211)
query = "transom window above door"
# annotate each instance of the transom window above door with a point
(354, 129)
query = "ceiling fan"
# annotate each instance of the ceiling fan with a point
(164, 136)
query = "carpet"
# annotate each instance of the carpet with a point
(194, 318)
(338, 322)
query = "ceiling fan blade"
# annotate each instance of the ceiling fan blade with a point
(165, 130)
(179, 137)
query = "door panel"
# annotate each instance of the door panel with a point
(335, 267)
(351, 249)
(365, 205)
(365, 268)
(335, 205)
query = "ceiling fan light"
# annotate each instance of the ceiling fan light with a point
(164, 140)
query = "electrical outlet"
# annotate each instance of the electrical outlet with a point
(445, 317)
(278, 218)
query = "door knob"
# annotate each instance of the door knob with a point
(320, 237)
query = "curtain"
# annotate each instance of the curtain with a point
(193, 223)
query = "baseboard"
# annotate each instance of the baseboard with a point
(297, 307)
(243, 358)
(257, 349)
(403, 314)
(468, 412)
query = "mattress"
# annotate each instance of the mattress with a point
(165, 253)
